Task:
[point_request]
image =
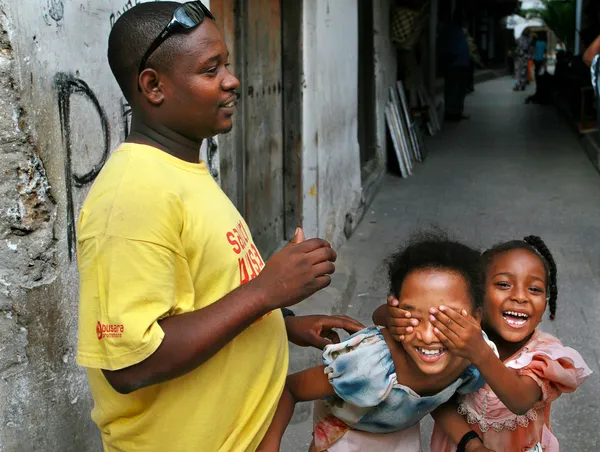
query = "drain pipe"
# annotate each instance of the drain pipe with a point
(578, 26)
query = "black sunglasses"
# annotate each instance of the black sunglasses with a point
(185, 18)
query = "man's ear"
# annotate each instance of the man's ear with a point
(150, 86)
(478, 314)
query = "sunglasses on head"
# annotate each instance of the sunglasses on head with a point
(185, 18)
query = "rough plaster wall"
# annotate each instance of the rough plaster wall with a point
(385, 70)
(310, 120)
(330, 114)
(61, 114)
(39, 384)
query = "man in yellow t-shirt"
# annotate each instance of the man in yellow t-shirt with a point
(179, 322)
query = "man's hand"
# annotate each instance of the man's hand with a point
(459, 332)
(299, 270)
(318, 330)
(400, 324)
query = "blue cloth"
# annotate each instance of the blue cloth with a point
(368, 395)
(596, 84)
(596, 74)
(540, 51)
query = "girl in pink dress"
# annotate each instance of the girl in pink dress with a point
(512, 411)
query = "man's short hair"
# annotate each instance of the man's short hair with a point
(131, 36)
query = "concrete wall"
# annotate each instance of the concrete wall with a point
(385, 70)
(331, 162)
(333, 195)
(61, 114)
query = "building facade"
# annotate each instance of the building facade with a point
(308, 149)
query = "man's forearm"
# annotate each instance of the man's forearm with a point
(193, 338)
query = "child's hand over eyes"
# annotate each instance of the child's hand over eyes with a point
(399, 322)
(459, 332)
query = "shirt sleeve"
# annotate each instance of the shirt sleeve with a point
(554, 367)
(126, 286)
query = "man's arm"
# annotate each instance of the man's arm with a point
(290, 276)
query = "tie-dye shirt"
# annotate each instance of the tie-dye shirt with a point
(596, 74)
(368, 395)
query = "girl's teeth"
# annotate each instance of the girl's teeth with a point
(515, 322)
(430, 352)
(516, 314)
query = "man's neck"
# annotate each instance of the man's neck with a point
(158, 136)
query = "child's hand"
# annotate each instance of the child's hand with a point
(399, 322)
(459, 332)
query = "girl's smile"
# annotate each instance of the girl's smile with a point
(422, 290)
(516, 319)
(431, 355)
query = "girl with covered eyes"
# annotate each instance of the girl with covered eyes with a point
(374, 391)
(512, 412)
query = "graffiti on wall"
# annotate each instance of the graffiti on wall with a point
(68, 86)
(54, 10)
(212, 156)
(114, 16)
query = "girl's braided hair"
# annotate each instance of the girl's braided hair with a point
(537, 246)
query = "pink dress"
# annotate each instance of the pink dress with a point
(554, 367)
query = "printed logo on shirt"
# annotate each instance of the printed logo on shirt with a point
(249, 261)
(109, 331)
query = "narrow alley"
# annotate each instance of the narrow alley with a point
(510, 171)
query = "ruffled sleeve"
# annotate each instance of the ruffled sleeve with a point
(360, 369)
(554, 367)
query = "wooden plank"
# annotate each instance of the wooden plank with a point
(229, 19)
(263, 126)
(291, 17)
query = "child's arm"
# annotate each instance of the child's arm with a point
(310, 384)
(398, 321)
(455, 426)
(461, 334)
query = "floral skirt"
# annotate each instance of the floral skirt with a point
(408, 440)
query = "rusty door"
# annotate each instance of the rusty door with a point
(252, 155)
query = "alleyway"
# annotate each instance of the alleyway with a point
(510, 171)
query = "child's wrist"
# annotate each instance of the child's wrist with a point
(474, 445)
(484, 353)
(470, 441)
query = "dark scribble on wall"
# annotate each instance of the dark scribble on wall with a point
(67, 86)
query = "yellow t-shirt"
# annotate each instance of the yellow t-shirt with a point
(157, 237)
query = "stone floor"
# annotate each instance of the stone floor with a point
(510, 171)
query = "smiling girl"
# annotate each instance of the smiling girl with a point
(375, 389)
(512, 412)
